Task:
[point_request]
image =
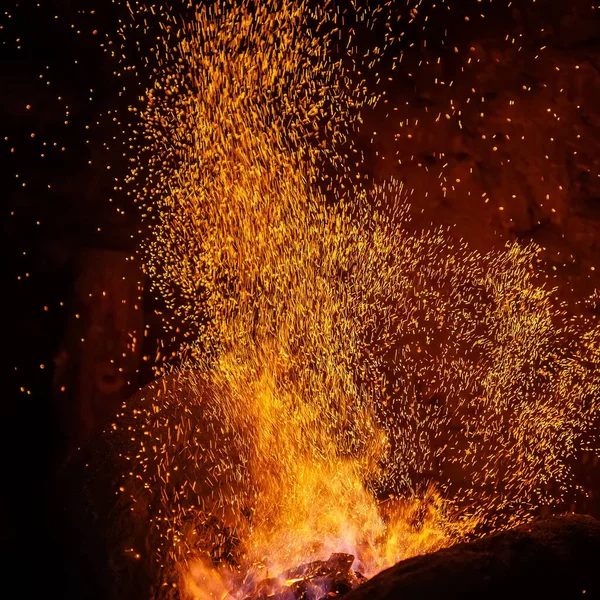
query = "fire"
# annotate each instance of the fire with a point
(347, 385)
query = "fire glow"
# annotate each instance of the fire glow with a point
(347, 386)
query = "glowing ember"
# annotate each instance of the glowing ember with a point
(341, 376)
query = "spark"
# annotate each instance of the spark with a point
(343, 381)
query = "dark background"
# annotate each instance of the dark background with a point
(64, 234)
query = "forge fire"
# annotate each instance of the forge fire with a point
(339, 365)
(341, 382)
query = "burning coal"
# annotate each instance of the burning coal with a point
(346, 385)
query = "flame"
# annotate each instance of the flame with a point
(297, 484)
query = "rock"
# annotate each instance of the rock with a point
(575, 29)
(555, 558)
(97, 364)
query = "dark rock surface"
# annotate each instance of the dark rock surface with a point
(551, 559)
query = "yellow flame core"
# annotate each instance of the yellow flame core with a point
(337, 364)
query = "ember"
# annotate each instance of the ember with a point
(317, 580)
